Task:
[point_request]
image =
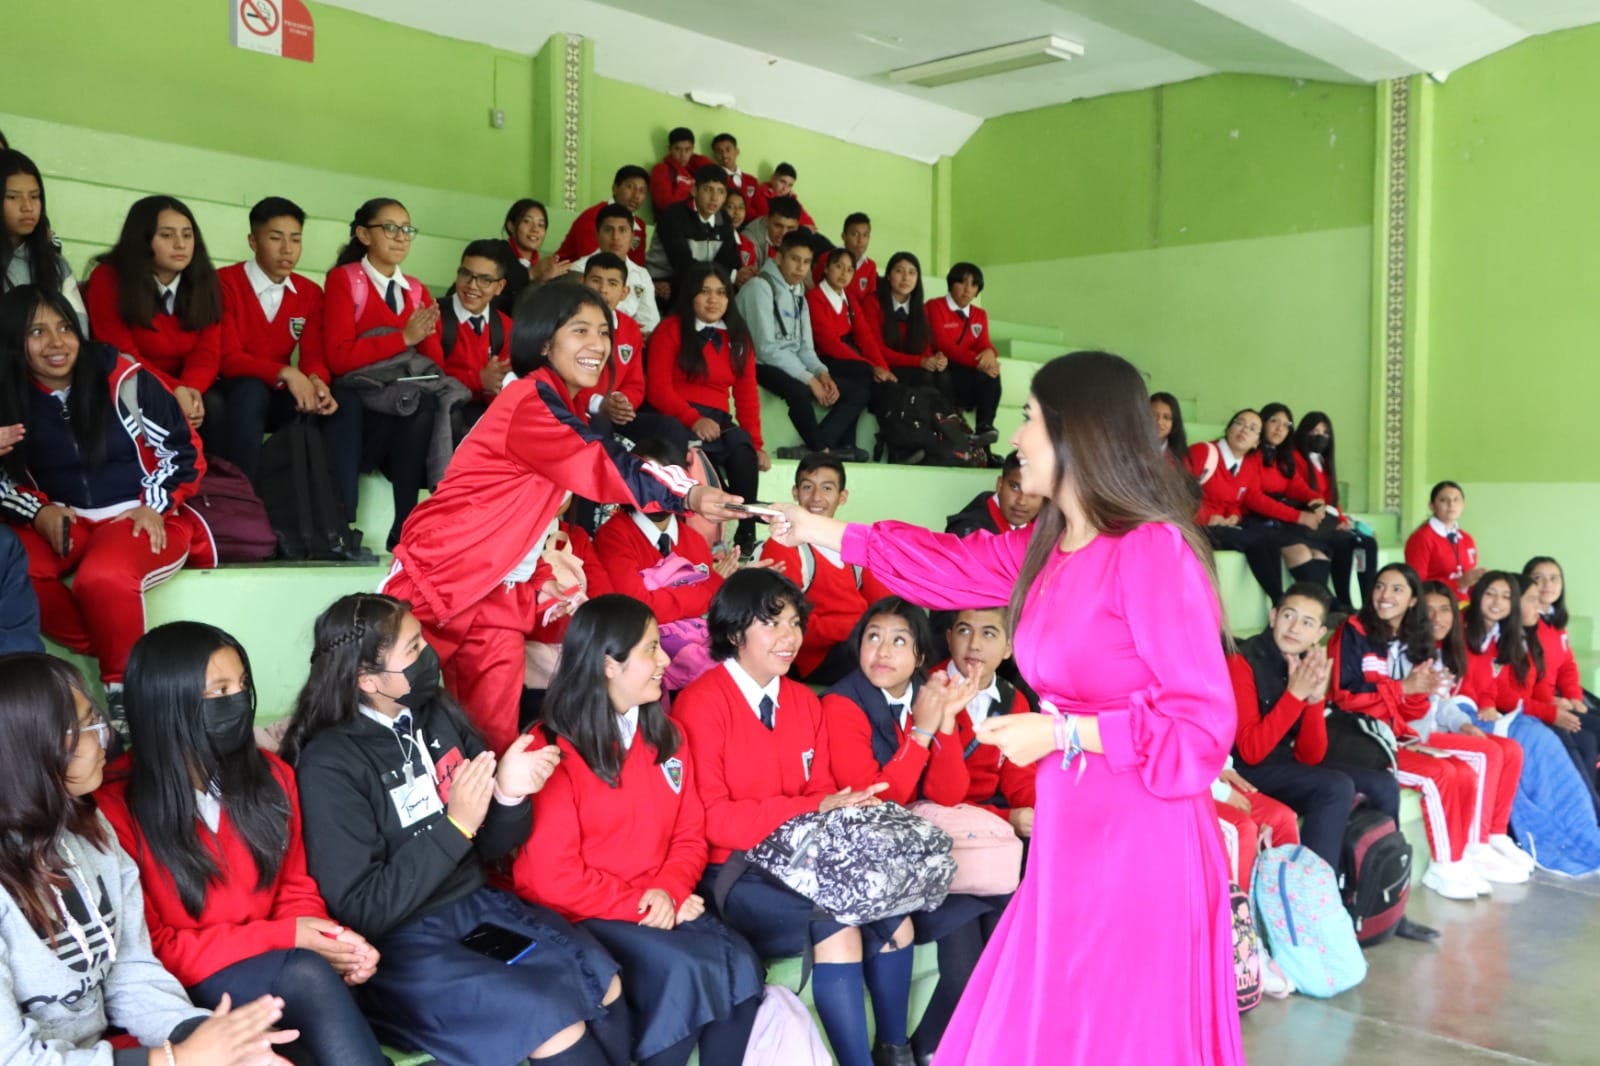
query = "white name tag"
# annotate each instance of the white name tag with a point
(415, 801)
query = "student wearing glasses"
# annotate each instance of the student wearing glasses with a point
(474, 335)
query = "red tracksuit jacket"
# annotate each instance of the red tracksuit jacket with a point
(1259, 734)
(759, 200)
(470, 353)
(170, 352)
(239, 921)
(843, 334)
(837, 594)
(1434, 558)
(626, 554)
(671, 391)
(596, 849)
(958, 338)
(260, 349)
(1362, 681)
(1231, 495)
(752, 779)
(670, 183)
(896, 353)
(936, 773)
(343, 344)
(624, 371)
(581, 238)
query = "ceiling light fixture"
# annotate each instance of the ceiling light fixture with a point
(1001, 59)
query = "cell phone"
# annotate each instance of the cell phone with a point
(66, 536)
(420, 377)
(764, 510)
(499, 943)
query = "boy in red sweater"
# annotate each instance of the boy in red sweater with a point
(476, 338)
(736, 207)
(270, 311)
(837, 594)
(629, 188)
(672, 179)
(857, 235)
(961, 334)
(617, 397)
(780, 184)
(725, 149)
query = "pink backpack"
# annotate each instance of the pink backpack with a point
(784, 1034)
(688, 641)
(360, 286)
(987, 850)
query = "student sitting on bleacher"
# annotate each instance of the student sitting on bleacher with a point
(29, 252)
(725, 150)
(960, 332)
(1560, 684)
(614, 233)
(1355, 553)
(403, 805)
(1000, 511)
(896, 317)
(232, 910)
(758, 741)
(617, 399)
(844, 340)
(373, 312)
(19, 606)
(155, 296)
(700, 371)
(473, 334)
(1168, 414)
(1439, 549)
(525, 227)
(856, 236)
(75, 957)
(767, 232)
(629, 188)
(272, 312)
(673, 179)
(836, 595)
(736, 207)
(774, 305)
(619, 843)
(778, 187)
(978, 641)
(1249, 820)
(99, 481)
(693, 230)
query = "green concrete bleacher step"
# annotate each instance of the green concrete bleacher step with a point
(1002, 330)
(1029, 351)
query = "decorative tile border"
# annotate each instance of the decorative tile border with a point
(1394, 288)
(572, 91)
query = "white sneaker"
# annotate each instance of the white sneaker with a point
(1508, 848)
(1451, 880)
(1490, 865)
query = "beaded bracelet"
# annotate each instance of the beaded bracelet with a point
(1066, 727)
(172, 1059)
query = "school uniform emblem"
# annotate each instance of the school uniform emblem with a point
(297, 326)
(625, 353)
(977, 329)
(635, 244)
(672, 770)
(638, 290)
(806, 757)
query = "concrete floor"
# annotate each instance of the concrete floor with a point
(1511, 980)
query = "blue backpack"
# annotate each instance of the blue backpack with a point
(1302, 917)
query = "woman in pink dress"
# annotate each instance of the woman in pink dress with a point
(1118, 946)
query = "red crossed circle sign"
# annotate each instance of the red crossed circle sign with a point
(260, 17)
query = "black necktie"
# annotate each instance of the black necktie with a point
(402, 726)
(901, 314)
(767, 709)
(476, 322)
(393, 297)
(1455, 545)
(164, 302)
(664, 542)
(1233, 469)
(709, 335)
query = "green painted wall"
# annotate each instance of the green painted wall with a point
(835, 178)
(1220, 223)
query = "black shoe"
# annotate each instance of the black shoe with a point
(893, 1055)
(851, 455)
(1409, 930)
(986, 435)
(792, 451)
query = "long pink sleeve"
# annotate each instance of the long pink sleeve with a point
(939, 570)
(1177, 729)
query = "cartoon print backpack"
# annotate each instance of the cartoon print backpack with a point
(1300, 913)
(1246, 950)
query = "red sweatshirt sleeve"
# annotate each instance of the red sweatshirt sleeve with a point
(551, 869)
(100, 296)
(854, 765)
(296, 894)
(661, 361)
(1257, 735)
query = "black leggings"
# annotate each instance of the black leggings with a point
(316, 1001)
(1260, 547)
(734, 453)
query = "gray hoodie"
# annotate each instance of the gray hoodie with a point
(780, 324)
(56, 1004)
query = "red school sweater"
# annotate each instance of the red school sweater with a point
(1231, 495)
(752, 779)
(937, 772)
(170, 352)
(1295, 487)
(1491, 684)
(626, 554)
(843, 334)
(1258, 734)
(470, 352)
(581, 239)
(671, 391)
(345, 347)
(595, 849)
(624, 371)
(238, 921)
(895, 353)
(759, 200)
(960, 339)
(259, 348)
(838, 599)
(1434, 558)
(670, 183)
(1560, 676)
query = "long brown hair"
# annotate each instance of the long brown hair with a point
(39, 734)
(1097, 414)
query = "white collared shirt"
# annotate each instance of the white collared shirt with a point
(381, 284)
(268, 292)
(898, 306)
(1442, 529)
(751, 691)
(1490, 638)
(902, 706)
(163, 292)
(208, 805)
(982, 705)
(957, 308)
(835, 299)
(652, 532)
(464, 316)
(640, 303)
(628, 726)
(1229, 460)
(829, 554)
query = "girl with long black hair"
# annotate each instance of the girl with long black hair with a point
(403, 805)
(1168, 413)
(1354, 555)
(619, 842)
(75, 957)
(29, 253)
(213, 823)
(1560, 685)
(525, 227)
(1306, 551)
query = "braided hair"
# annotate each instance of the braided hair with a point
(352, 637)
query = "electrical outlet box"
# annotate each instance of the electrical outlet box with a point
(497, 118)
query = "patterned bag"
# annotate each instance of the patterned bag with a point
(1300, 913)
(860, 864)
(1246, 950)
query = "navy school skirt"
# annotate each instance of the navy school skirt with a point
(431, 994)
(677, 981)
(953, 913)
(778, 922)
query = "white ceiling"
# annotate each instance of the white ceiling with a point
(821, 64)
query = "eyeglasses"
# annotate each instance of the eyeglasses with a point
(393, 230)
(1249, 430)
(98, 728)
(483, 281)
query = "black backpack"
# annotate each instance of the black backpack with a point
(448, 323)
(302, 504)
(1374, 874)
(916, 424)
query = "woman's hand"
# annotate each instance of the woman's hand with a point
(846, 797)
(1022, 738)
(346, 950)
(492, 378)
(1568, 721)
(658, 910)
(934, 363)
(763, 460)
(194, 407)
(521, 772)
(1309, 674)
(230, 1037)
(690, 909)
(420, 324)
(50, 522)
(470, 792)
(147, 520)
(706, 429)
(11, 436)
(713, 503)
(1490, 714)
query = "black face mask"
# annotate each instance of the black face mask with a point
(1317, 443)
(229, 721)
(423, 677)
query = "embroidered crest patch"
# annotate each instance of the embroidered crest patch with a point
(977, 329)
(296, 327)
(625, 353)
(673, 770)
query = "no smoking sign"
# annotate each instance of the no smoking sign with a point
(272, 27)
